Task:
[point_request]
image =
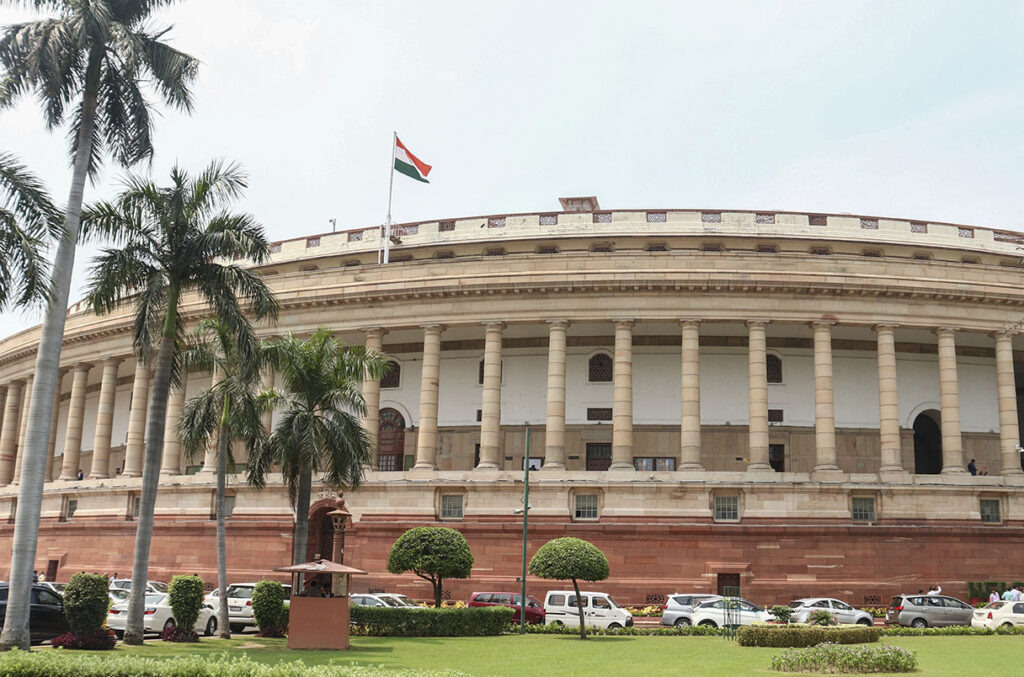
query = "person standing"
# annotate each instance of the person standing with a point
(993, 596)
(972, 468)
(35, 576)
(1015, 594)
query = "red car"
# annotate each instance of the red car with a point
(534, 609)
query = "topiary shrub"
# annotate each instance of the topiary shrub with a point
(800, 635)
(268, 609)
(86, 603)
(782, 612)
(835, 659)
(571, 559)
(433, 554)
(185, 595)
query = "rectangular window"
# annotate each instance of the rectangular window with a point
(70, 507)
(134, 502)
(586, 507)
(451, 506)
(654, 463)
(599, 456)
(727, 508)
(777, 457)
(599, 413)
(863, 509)
(536, 462)
(990, 510)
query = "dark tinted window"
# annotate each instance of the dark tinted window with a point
(44, 597)
(683, 600)
(1018, 608)
(821, 604)
(896, 601)
(3, 594)
(502, 598)
(484, 597)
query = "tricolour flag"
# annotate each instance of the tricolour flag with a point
(409, 164)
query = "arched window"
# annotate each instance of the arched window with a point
(393, 378)
(599, 369)
(774, 368)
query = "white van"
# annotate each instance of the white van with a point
(599, 610)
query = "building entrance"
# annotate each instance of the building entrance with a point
(927, 443)
(390, 440)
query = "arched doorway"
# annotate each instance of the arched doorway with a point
(390, 440)
(928, 443)
(320, 540)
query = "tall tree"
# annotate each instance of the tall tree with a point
(86, 65)
(169, 241)
(28, 220)
(230, 410)
(319, 431)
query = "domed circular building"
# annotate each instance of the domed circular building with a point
(785, 402)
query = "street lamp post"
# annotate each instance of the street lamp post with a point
(526, 517)
(339, 517)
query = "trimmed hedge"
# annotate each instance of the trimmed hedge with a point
(423, 622)
(86, 602)
(835, 659)
(185, 595)
(805, 635)
(899, 631)
(268, 609)
(17, 663)
(658, 631)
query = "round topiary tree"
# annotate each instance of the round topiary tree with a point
(571, 559)
(185, 595)
(433, 554)
(268, 608)
(86, 602)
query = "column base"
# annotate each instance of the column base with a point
(421, 471)
(207, 471)
(551, 468)
(486, 466)
(622, 466)
(760, 467)
(423, 466)
(895, 475)
(827, 473)
(689, 466)
(953, 470)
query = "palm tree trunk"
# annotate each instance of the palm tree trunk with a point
(133, 633)
(301, 537)
(223, 622)
(30, 495)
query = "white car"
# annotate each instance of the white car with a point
(400, 600)
(729, 611)
(159, 617)
(152, 587)
(840, 610)
(997, 614)
(599, 610)
(374, 600)
(239, 596)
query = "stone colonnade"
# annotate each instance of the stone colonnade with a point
(690, 429)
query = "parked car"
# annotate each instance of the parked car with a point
(402, 600)
(599, 610)
(996, 614)
(54, 587)
(534, 610)
(679, 606)
(239, 597)
(840, 610)
(118, 595)
(152, 587)
(374, 600)
(922, 611)
(160, 617)
(46, 615)
(729, 611)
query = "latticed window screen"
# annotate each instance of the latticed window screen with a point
(773, 365)
(990, 510)
(599, 413)
(863, 509)
(727, 507)
(600, 369)
(586, 506)
(393, 378)
(451, 506)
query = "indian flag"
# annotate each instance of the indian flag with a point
(409, 164)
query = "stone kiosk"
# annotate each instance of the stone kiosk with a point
(320, 622)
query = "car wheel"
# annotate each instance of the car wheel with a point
(558, 623)
(1007, 625)
(169, 625)
(919, 623)
(614, 627)
(864, 621)
(211, 626)
(236, 628)
(683, 622)
(708, 623)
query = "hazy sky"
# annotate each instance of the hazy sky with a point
(908, 109)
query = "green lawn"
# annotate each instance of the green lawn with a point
(566, 655)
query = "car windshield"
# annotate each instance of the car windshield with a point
(240, 593)
(158, 586)
(994, 605)
(59, 587)
(391, 602)
(795, 604)
(612, 601)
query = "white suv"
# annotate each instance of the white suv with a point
(239, 596)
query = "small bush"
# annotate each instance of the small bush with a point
(834, 659)
(649, 611)
(782, 612)
(185, 596)
(899, 631)
(50, 663)
(86, 602)
(96, 641)
(800, 635)
(268, 608)
(179, 634)
(658, 631)
(398, 622)
(821, 617)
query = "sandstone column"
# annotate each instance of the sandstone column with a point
(824, 399)
(170, 463)
(135, 445)
(76, 414)
(758, 352)
(105, 419)
(371, 393)
(622, 404)
(952, 446)
(26, 397)
(689, 438)
(554, 430)
(1009, 435)
(9, 433)
(210, 459)
(888, 401)
(51, 448)
(426, 440)
(3, 404)
(490, 407)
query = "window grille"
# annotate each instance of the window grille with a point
(727, 508)
(767, 219)
(451, 506)
(711, 217)
(773, 364)
(600, 368)
(603, 217)
(817, 220)
(393, 378)
(599, 413)
(445, 226)
(549, 219)
(990, 510)
(863, 509)
(586, 507)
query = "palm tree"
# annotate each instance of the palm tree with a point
(319, 430)
(28, 220)
(168, 241)
(229, 410)
(86, 66)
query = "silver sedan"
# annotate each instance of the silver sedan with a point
(840, 610)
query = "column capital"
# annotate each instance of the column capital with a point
(113, 361)
(758, 323)
(82, 366)
(379, 332)
(623, 323)
(494, 325)
(878, 328)
(823, 323)
(1004, 334)
(434, 327)
(689, 322)
(560, 323)
(944, 330)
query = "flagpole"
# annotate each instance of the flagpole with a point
(391, 186)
